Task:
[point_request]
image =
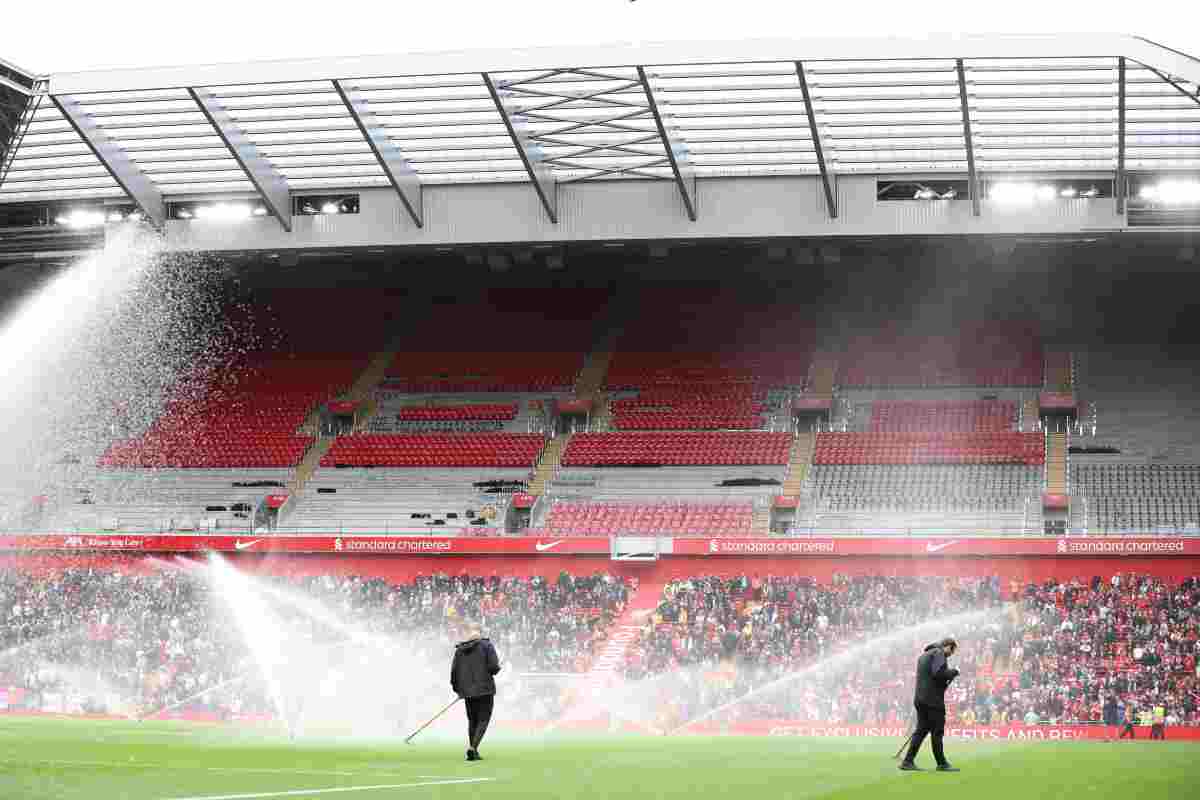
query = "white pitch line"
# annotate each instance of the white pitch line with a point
(264, 770)
(334, 790)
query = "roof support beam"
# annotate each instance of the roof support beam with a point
(968, 140)
(677, 154)
(1175, 84)
(400, 173)
(144, 193)
(539, 172)
(1119, 185)
(828, 178)
(271, 186)
(685, 178)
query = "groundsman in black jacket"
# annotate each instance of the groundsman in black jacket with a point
(934, 674)
(472, 677)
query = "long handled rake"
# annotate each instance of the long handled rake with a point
(432, 720)
(904, 744)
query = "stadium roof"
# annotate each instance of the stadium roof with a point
(1077, 104)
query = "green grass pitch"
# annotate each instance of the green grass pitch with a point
(88, 760)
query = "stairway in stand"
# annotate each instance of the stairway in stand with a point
(761, 523)
(799, 462)
(1056, 463)
(822, 375)
(1060, 372)
(607, 666)
(547, 465)
(361, 391)
(1029, 414)
(589, 385)
(304, 471)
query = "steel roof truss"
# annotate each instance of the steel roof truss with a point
(539, 172)
(272, 187)
(144, 193)
(828, 177)
(400, 173)
(677, 156)
(968, 141)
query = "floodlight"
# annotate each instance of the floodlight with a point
(223, 212)
(81, 218)
(1172, 192)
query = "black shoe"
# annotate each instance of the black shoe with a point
(948, 767)
(472, 755)
(909, 766)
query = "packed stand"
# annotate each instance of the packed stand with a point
(153, 638)
(1055, 655)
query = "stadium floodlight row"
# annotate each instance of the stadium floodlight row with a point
(686, 130)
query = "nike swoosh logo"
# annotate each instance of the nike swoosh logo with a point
(238, 544)
(543, 547)
(933, 548)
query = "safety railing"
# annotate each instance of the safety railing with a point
(496, 529)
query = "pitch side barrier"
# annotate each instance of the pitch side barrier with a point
(706, 547)
(990, 733)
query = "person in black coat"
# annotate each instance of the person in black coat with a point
(472, 677)
(934, 674)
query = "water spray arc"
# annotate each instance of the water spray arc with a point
(964, 621)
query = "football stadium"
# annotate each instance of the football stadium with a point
(674, 420)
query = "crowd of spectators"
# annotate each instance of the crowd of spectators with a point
(130, 637)
(790, 649)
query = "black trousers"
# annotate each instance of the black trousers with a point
(931, 722)
(1157, 731)
(479, 714)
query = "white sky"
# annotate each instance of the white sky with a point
(68, 35)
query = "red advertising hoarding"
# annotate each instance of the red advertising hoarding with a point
(790, 547)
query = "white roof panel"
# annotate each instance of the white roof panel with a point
(566, 114)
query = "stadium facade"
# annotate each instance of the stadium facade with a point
(652, 460)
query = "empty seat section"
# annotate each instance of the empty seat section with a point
(666, 518)
(387, 499)
(247, 413)
(690, 408)
(500, 340)
(1008, 447)
(168, 499)
(711, 336)
(979, 354)
(979, 488)
(1136, 497)
(680, 449)
(916, 416)
(435, 450)
(482, 411)
(448, 418)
